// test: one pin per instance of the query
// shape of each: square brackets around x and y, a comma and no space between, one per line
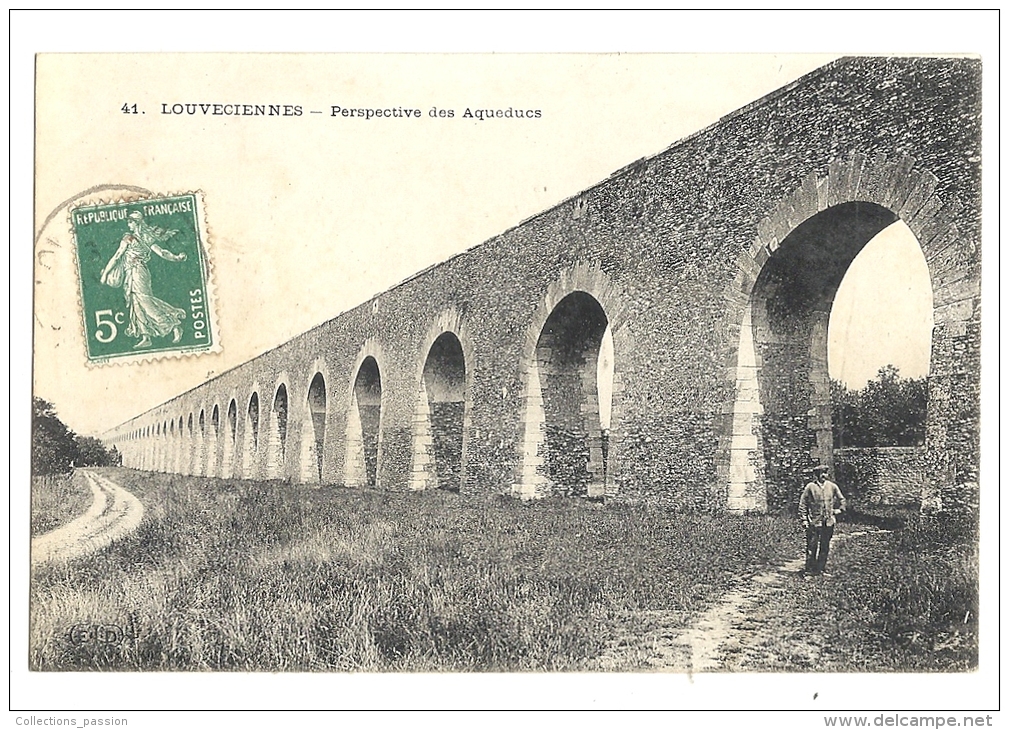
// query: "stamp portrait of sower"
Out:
[127,269]
[144,277]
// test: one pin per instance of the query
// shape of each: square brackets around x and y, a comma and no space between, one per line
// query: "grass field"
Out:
[56,500]
[265,576]
[900,600]
[245,576]
[908,600]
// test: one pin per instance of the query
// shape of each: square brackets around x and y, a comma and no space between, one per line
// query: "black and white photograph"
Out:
[414,368]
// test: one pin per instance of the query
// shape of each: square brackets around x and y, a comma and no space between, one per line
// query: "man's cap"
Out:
[820,469]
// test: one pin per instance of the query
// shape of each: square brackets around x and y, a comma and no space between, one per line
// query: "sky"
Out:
[882,312]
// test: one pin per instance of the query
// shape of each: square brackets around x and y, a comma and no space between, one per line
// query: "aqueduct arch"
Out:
[192,449]
[563,449]
[313,430]
[364,425]
[276,456]
[439,425]
[213,447]
[250,441]
[201,447]
[441,419]
[567,354]
[229,449]
[780,420]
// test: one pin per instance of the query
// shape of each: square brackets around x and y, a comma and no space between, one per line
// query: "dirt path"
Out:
[113,513]
[742,626]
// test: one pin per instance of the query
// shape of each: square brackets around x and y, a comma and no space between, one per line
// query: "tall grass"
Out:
[233,575]
[57,499]
[915,595]
[901,600]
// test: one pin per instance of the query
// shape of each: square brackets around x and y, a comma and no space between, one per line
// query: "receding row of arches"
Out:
[777,422]
[205,444]
[572,368]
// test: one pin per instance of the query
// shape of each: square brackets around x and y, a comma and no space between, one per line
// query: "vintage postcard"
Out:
[607,364]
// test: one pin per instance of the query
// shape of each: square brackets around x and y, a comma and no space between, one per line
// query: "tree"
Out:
[92,452]
[846,414]
[888,411]
[56,449]
[54,446]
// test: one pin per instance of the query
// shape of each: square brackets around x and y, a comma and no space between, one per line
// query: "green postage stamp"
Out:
[144,278]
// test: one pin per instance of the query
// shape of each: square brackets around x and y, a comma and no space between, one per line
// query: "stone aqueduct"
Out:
[705,274]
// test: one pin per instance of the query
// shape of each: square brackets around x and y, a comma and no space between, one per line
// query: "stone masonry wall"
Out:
[886,475]
[670,247]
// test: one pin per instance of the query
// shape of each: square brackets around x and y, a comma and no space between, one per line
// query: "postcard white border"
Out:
[716,31]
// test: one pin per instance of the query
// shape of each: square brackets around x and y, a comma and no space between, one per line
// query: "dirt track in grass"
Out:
[750,628]
[113,513]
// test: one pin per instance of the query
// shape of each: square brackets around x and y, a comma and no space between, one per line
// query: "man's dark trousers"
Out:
[817,547]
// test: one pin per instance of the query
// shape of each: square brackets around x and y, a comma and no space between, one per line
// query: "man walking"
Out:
[820,501]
